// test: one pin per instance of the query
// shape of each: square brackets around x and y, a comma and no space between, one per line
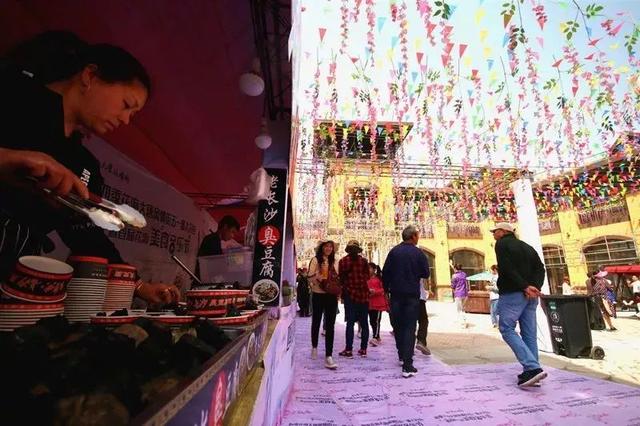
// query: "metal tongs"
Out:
[103,213]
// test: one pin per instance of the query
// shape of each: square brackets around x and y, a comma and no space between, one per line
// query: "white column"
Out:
[529,232]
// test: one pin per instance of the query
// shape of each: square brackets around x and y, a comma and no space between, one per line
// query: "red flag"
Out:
[557,63]
[322,31]
[448,48]
[615,31]
[594,42]
[588,58]
[462,48]
[445,60]
[430,28]
[419,56]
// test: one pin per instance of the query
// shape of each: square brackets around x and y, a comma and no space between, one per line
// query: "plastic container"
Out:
[568,318]
[231,267]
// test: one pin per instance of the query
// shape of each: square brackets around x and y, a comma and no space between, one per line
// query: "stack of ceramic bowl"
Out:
[87,288]
[121,285]
[35,289]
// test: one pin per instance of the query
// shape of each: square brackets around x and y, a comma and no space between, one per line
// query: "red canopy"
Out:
[624,269]
[197,131]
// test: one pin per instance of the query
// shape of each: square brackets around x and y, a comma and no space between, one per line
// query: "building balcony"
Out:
[550,225]
[426,230]
[361,224]
[464,231]
[603,215]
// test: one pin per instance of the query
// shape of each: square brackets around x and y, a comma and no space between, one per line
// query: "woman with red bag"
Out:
[322,268]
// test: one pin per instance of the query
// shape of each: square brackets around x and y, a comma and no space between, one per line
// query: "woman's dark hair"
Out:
[376,270]
[58,55]
[458,267]
[494,268]
[320,255]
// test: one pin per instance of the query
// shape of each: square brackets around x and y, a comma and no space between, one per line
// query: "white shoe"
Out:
[328,363]
[423,349]
[314,353]
[373,342]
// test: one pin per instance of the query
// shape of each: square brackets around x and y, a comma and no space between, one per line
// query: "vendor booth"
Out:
[216,344]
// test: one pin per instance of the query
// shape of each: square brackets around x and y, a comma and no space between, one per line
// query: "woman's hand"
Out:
[158,293]
[16,164]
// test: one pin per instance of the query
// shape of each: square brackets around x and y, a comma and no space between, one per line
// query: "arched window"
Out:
[472,261]
[556,266]
[610,251]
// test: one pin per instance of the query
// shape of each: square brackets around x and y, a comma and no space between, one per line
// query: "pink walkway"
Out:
[372,392]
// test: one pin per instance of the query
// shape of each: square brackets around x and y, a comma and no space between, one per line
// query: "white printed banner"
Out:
[175,224]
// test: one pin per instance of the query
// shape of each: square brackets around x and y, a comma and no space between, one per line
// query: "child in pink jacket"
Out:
[377,302]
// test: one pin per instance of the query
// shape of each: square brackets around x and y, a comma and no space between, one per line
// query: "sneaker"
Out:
[362,353]
[531,377]
[314,353]
[329,363]
[409,371]
[346,354]
[323,332]
[373,342]
[378,340]
[423,348]
[613,329]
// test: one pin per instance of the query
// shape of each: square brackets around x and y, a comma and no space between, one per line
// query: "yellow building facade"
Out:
[574,242]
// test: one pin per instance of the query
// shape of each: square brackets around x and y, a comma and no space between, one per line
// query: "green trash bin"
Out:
[569,325]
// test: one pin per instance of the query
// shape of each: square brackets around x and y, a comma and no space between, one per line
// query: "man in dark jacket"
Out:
[405,265]
[519,283]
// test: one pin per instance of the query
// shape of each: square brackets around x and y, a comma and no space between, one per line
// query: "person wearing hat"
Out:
[519,283]
[601,287]
[354,274]
[322,267]
[403,269]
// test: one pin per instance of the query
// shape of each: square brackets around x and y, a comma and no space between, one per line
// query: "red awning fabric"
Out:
[624,269]
[197,131]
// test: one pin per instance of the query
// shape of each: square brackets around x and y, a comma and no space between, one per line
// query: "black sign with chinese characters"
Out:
[267,255]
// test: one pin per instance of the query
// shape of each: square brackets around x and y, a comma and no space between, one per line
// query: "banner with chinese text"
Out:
[267,257]
[174,223]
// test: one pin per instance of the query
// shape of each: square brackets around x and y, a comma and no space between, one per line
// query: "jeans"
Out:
[494,311]
[405,310]
[516,308]
[423,323]
[327,304]
[356,312]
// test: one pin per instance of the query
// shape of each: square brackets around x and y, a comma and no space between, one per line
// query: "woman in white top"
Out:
[494,296]
[320,267]
[566,287]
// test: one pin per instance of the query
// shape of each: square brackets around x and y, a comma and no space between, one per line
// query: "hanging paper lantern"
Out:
[251,84]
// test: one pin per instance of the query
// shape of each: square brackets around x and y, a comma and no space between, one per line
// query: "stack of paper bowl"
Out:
[121,284]
[86,290]
[35,289]
[16,315]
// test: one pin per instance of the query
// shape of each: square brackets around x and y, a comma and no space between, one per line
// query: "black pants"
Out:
[326,304]
[423,323]
[303,300]
[375,317]
[405,310]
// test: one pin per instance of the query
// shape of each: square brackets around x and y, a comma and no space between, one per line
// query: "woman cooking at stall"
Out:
[54,87]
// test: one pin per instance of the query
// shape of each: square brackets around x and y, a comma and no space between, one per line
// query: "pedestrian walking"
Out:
[519,283]
[302,292]
[377,302]
[354,274]
[601,287]
[460,289]
[321,268]
[405,265]
[494,296]
[423,319]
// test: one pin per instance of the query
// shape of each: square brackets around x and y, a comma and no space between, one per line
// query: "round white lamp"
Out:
[263,141]
[251,84]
